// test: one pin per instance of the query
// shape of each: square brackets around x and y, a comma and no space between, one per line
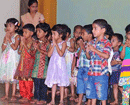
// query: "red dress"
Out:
[25,67]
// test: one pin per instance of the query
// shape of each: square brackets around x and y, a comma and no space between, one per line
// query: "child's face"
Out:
[107,36]
[27,33]
[10,27]
[97,30]
[55,35]
[34,7]
[115,42]
[85,35]
[77,32]
[128,35]
[41,33]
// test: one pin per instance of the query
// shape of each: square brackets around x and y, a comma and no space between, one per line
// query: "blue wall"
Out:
[73,12]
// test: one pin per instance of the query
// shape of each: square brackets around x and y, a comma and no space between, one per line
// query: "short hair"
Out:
[109,31]
[127,29]
[45,27]
[88,28]
[69,30]
[101,22]
[30,27]
[77,26]
[119,37]
[60,29]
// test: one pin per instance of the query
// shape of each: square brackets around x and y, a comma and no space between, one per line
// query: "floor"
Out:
[67,102]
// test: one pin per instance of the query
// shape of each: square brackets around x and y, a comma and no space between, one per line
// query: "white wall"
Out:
[8,9]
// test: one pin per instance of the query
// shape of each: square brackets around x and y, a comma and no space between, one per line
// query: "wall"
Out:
[73,12]
[8,9]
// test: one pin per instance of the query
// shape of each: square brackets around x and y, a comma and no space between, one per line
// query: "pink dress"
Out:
[57,72]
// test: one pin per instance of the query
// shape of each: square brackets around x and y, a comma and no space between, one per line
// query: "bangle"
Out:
[20,51]
[11,43]
[28,51]
[68,48]
[4,44]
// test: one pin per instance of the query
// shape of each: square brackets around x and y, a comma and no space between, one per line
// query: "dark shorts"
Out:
[114,78]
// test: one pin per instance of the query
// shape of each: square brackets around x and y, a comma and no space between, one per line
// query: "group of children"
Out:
[90,62]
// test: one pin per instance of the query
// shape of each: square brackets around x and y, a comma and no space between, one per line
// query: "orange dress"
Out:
[27,18]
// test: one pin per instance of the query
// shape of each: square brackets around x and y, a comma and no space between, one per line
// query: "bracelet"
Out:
[11,43]
[4,44]
[20,51]
[28,51]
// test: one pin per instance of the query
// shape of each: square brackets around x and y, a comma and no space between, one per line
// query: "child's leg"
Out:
[6,91]
[43,90]
[115,93]
[103,102]
[89,102]
[80,99]
[13,92]
[61,94]
[29,87]
[94,101]
[72,91]
[66,92]
[125,95]
[53,95]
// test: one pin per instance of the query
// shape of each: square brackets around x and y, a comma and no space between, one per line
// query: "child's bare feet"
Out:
[23,100]
[13,98]
[114,103]
[33,101]
[51,103]
[18,95]
[61,103]
[4,98]
[41,102]
[76,100]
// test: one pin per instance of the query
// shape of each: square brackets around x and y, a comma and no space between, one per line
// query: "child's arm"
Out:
[87,52]
[15,45]
[73,65]
[50,51]
[122,54]
[101,54]
[4,44]
[71,48]
[62,50]
[20,49]
[43,51]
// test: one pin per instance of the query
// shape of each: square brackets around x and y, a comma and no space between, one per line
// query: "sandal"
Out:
[72,98]
[13,98]
[4,98]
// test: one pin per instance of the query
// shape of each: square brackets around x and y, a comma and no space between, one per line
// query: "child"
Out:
[82,76]
[10,58]
[125,72]
[33,16]
[98,51]
[116,41]
[69,54]
[25,67]
[41,63]
[77,32]
[57,72]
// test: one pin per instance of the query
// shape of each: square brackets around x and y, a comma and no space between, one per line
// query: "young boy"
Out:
[25,67]
[116,41]
[82,76]
[98,51]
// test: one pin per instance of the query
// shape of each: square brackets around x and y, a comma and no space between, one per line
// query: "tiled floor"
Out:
[67,102]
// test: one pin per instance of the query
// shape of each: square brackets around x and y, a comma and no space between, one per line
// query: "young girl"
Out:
[25,67]
[125,71]
[10,58]
[73,80]
[33,16]
[41,63]
[57,72]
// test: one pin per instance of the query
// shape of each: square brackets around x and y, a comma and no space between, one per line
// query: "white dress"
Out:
[8,63]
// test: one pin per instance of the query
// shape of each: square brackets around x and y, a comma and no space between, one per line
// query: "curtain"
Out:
[49,9]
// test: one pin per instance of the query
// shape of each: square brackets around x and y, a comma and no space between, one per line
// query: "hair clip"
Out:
[16,23]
